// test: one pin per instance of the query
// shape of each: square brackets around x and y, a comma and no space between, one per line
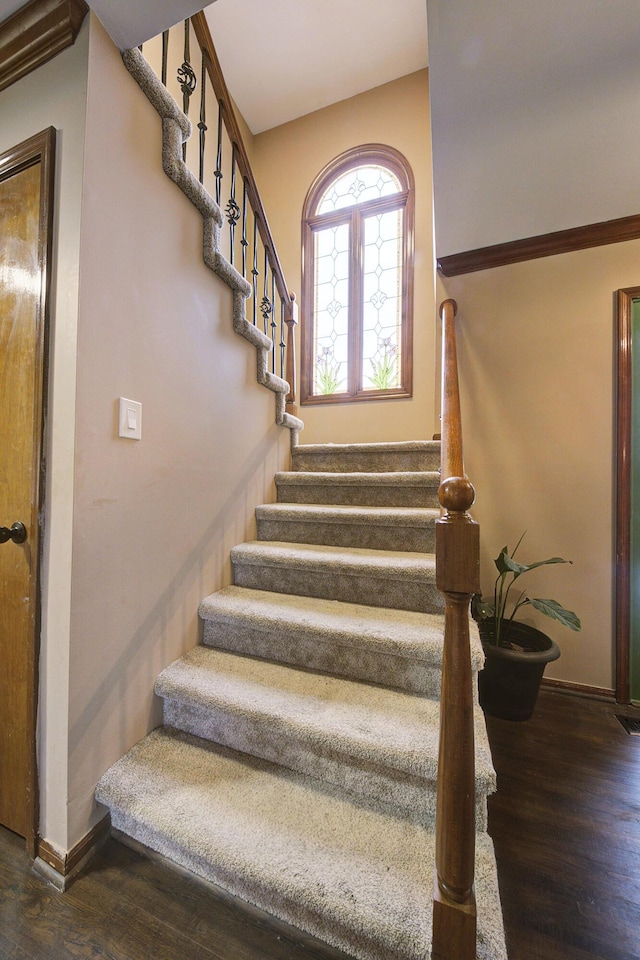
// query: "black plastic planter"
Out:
[509,683]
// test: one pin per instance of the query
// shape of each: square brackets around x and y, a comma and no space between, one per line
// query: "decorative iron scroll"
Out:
[265,310]
[187,79]
[232,211]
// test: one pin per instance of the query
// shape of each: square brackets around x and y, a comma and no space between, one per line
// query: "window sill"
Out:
[370,395]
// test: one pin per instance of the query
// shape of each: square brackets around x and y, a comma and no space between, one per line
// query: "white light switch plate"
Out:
[130,419]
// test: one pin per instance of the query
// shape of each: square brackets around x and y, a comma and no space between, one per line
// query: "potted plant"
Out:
[515,653]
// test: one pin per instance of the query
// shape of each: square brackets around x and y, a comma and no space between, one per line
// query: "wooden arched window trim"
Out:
[396,163]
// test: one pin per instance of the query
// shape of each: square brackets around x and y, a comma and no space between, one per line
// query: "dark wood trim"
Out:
[37,149]
[624,381]
[393,160]
[35,34]
[66,863]
[545,245]
[578,689]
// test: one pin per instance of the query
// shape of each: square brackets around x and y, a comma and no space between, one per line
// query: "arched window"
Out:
[357,273]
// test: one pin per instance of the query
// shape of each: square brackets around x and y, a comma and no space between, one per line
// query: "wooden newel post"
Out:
[291,320]
[457,577]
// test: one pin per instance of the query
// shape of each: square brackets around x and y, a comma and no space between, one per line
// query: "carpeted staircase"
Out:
[297,764]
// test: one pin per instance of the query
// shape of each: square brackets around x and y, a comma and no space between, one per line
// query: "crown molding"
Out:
[545,245]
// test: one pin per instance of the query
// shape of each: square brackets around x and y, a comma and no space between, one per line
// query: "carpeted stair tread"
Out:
[400,648]
[380,528]
[416,566]
[395,456]
[337,513]
[407,633]
[389,488]
[358,879]
[377,577]
[293,713]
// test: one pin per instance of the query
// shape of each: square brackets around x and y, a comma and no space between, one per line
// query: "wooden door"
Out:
[25,214]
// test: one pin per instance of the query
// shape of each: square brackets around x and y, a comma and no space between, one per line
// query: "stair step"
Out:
[398,648]
[402,581]
[376,528]
[367,457]
[378,743]
[354,877]
[389,489]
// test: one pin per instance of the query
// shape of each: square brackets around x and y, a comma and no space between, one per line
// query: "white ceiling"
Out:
[286,58]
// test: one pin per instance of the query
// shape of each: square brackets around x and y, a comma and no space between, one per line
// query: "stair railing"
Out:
[185,60]
[457,578]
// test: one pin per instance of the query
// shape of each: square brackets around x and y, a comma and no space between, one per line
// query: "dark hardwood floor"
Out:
[126,906]
[565,821]
[566,828]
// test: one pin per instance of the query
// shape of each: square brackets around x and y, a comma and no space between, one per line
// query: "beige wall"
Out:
[536,351]
[287,159]
[154,520]
[55,95]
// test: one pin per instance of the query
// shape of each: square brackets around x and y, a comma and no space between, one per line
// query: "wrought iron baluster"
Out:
[265,303]
[274,322]
[202,125]
[244,242]
[232,209]
[218,170]
[165,55]
[254,272]
[186,79]
[283,340]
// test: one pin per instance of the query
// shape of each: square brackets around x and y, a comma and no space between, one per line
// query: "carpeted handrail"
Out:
[457,578]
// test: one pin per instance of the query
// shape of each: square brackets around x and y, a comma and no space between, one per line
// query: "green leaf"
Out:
[512,566]
[507,564]
[500,561]
[551,608]
[542,563]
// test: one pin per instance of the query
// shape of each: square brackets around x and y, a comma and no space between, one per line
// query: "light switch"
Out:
[130,419]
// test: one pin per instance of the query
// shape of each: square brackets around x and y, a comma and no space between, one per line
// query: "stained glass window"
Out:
[331,309]
[382,301]
[357,186]
[356,334]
